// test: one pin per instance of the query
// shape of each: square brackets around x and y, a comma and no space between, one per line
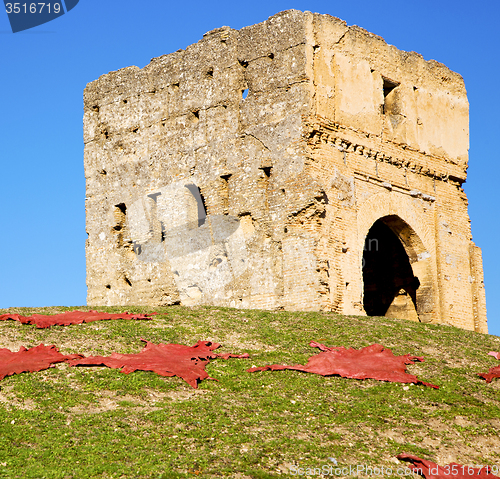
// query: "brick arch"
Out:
[406,217]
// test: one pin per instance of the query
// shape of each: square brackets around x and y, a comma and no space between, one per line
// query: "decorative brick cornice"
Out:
[319,131]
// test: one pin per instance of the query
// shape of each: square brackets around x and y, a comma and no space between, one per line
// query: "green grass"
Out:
[99,423]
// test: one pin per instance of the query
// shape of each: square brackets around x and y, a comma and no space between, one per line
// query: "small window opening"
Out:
[224,192]
[122,208]
[388,86]
[103,172]
[243,63]
[163,232]
[271,56]
[137,248]
[120,219]
[210,73]
[95,108]
[154,196]
[125,101]
[267,170]
[196,114]
[108,286]
[244,93]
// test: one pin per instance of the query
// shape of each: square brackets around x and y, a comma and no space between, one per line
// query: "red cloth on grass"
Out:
[375,362]
[186,362]
[70,317]
[493,372]
[30,360]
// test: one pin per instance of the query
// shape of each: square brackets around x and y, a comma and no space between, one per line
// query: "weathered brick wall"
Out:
[199,194]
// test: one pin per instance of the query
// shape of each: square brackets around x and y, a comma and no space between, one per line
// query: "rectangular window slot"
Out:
[389,101]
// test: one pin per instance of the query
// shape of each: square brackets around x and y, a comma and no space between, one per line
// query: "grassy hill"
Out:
[99,423]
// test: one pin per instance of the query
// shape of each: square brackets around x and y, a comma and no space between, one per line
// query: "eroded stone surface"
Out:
[249,169]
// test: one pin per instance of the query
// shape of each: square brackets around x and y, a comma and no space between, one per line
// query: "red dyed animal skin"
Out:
[430,470]
[186,362]
[493,372]
[30,360]
[375,362]
[70,317]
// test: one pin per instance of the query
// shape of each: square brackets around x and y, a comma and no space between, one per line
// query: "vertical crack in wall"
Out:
[157,227]
[120,216]
[265,181]
[200,202]
[224,192]
[123,244]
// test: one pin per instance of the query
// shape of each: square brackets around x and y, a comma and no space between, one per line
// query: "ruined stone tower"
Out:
[296,164]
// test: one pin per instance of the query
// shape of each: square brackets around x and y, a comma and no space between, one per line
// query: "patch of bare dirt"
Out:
[240,341]
[111,400]
[9,399]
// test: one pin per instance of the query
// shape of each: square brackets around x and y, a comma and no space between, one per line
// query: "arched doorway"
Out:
[392,287]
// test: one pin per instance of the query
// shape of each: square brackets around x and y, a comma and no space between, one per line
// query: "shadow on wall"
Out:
[205,253]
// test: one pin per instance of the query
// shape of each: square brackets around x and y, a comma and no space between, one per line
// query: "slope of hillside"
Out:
[96,422]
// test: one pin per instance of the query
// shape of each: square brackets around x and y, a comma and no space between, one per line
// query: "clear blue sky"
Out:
[44,72]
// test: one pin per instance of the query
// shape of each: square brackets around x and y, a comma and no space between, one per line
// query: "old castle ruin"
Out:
[296,164]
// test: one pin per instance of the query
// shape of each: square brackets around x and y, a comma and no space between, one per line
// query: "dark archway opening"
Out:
[387,271]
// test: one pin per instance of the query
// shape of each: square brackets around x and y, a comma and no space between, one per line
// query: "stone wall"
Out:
[249,171]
